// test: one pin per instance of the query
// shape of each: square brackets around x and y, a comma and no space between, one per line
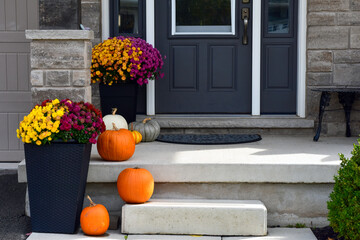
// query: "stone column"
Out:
[60,64]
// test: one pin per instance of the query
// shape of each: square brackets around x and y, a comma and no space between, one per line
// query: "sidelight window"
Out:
[278,15]
[127,18]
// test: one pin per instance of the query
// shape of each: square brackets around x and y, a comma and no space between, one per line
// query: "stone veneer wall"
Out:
[60,64]
[333,58]
[91,17]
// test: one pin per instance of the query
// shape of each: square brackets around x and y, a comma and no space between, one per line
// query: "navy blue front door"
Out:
[208,47]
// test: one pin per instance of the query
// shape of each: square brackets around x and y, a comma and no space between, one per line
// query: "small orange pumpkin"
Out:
[137,135]
[116,145]
[94,220]
[135,185]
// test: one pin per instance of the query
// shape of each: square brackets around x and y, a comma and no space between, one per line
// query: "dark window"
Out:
[202,16]
[203,12]
[278,16]
[127,18]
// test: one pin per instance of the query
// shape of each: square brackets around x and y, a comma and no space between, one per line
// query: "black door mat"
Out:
[207,139]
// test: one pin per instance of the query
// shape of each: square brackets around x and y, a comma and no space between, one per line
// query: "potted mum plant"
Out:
[120,65]
[58,137]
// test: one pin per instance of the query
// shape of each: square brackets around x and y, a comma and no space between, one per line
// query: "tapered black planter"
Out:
[122,96]
[56,175]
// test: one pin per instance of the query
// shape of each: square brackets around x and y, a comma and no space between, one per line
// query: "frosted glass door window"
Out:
[278,16]
[203,17]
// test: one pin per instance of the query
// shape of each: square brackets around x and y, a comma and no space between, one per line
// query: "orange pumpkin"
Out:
[94,220]
[135,185]
[116,145]
[137,135]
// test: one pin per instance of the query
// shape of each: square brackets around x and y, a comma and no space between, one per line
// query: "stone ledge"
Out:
[232,122]
[203,217]
[274,159]
[59,34]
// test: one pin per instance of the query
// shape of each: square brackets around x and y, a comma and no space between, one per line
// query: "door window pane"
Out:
[128,18]
[203,16]
[278,16]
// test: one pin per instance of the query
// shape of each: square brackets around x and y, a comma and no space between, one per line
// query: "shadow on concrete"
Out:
[14,225]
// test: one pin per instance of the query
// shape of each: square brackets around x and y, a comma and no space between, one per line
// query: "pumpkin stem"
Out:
[92,204]
[114,127]
[132,126]
[136,168]
[114,111]
[145,120]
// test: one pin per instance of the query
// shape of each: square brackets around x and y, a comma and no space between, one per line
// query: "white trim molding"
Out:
[256,53]
[150,38]
[301,61]
[202,30]
[256,58]
[105,19]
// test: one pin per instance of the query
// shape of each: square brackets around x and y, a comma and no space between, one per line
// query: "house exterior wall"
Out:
[91,17]
[333,58]
[333,55]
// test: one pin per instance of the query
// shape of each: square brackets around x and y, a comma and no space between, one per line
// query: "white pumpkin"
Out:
[118,120]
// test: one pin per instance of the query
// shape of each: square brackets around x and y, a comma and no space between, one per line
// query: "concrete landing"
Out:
[201,217]
[274,159]
[273,234]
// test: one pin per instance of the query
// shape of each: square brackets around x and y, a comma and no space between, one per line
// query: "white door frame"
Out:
[301,61]
[256,51]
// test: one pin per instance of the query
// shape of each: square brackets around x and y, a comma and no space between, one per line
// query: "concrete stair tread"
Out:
[274,159]
[172,237]
[201,203]
[109,235]
[204,217]
[281,234]
[273,234]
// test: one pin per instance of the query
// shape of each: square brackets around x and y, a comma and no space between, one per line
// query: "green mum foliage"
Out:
[344,204]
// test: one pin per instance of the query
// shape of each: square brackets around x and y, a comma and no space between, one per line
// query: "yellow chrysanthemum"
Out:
[41,122]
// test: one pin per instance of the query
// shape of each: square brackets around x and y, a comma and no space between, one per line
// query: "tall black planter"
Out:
[56,175]
[122,96]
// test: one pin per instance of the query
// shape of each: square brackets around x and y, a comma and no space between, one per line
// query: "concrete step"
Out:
[109,235]
[179,121]
[281,234]
[233,124]
[203,217]
[273,234]
[292,175]
[274,159]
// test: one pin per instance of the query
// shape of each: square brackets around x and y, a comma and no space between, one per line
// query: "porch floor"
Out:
[274,159]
